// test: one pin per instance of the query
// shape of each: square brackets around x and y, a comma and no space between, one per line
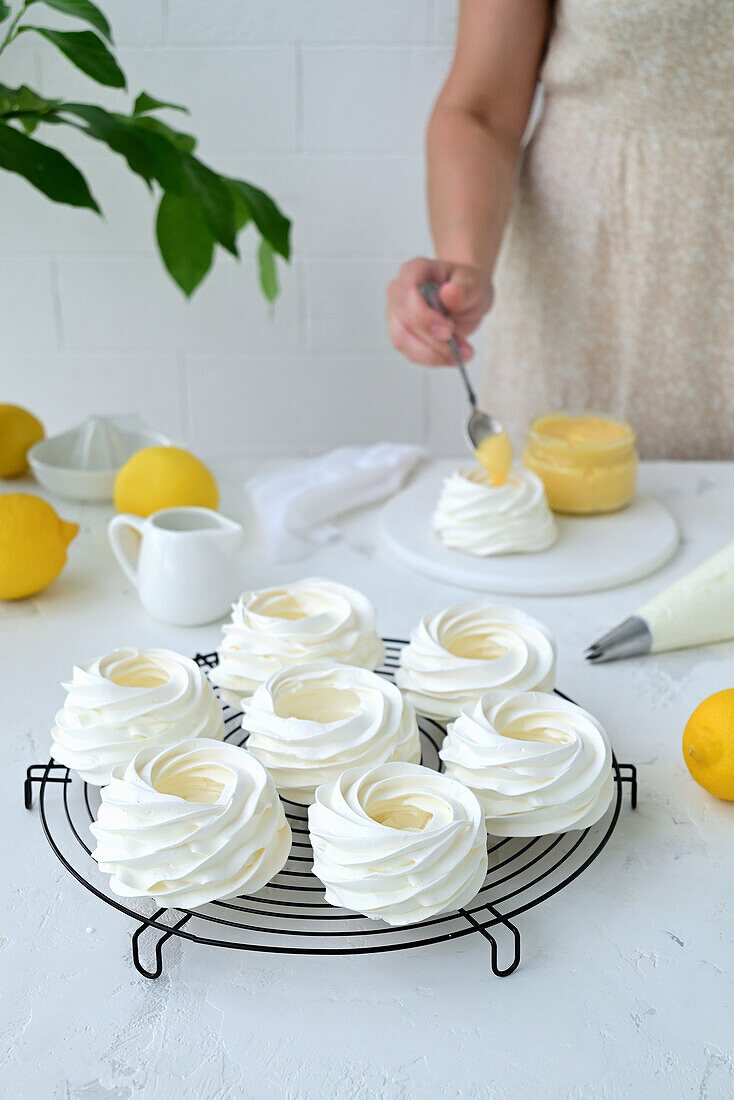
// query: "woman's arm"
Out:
[473,144]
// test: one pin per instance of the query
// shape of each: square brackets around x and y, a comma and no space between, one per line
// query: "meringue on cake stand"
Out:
[592,553]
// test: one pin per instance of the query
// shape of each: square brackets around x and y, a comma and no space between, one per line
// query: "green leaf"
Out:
[149,154]
[145,103]
[242,212]
[216,201]
[4,11]
[45,168]
[21,100]
[88,52]
[268,272]
[81,9]
[184,239]
[185,142]
[273,224]
[15,100]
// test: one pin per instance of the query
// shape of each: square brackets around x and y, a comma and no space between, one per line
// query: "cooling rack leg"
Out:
[32,776]
[28,790]
[161,939]
[499,971]
[628,774]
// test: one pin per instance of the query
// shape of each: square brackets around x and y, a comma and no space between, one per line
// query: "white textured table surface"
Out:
[625,988]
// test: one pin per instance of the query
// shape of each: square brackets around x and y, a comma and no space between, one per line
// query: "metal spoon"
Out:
[480,424]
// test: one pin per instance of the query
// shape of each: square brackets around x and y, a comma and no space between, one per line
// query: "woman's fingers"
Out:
[467,295]
[424,318]
[413,315]
[466,351]
[454,296]
[406,302]
[417,349]
[421,332]
[431,353]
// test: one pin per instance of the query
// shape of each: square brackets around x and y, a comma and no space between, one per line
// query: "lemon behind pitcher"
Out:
[164,477]
[33,542]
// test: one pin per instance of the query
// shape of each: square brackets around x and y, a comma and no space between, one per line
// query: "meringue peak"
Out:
[478,517]
[399,842]
[456,655]
[537,762]
[309,723]
[309,620]
[129,698]
[195,822]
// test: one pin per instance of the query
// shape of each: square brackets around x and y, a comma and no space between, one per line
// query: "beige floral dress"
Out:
[615,283]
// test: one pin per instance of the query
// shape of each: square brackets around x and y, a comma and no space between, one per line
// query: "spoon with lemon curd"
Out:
[485,435]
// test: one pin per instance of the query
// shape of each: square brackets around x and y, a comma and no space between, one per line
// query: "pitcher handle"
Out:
[116,529]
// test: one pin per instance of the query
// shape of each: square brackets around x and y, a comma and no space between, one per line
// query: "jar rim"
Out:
[536,434]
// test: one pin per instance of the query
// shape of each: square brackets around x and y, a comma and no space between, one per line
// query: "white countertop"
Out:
[625,984]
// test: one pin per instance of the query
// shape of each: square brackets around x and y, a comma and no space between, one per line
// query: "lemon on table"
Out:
[708,744]
[19,430]
[164,477]
[33,542]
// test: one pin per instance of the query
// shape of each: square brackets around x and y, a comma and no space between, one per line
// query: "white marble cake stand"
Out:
[592,554]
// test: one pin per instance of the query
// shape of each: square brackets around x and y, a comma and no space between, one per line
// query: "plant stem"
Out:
[12,29]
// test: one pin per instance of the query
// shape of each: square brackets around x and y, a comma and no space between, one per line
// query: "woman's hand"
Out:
[421,333]
[472,144]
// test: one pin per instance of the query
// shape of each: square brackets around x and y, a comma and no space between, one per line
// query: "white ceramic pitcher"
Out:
[188,565]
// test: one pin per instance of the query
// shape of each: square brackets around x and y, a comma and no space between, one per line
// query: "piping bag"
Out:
[697,609]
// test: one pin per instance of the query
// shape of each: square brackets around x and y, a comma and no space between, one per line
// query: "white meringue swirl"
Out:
[458,654]
[310,722]
[480,518]
[398,843]
[537,763]
[127,699]
[308,620]
[195,822]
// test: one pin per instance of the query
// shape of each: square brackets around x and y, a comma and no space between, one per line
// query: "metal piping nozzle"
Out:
[631,638]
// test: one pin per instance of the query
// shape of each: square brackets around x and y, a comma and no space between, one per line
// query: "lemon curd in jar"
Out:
[587,461]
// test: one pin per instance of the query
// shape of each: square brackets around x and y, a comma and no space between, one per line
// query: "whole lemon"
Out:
[33,541]
[708,744]
[164,477]
[19,430]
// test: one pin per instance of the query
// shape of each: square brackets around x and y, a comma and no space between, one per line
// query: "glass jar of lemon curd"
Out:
[586,460]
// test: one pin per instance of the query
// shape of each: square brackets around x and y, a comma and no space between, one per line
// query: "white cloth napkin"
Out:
[295,506]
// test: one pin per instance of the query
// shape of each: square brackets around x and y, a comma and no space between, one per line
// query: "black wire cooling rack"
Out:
[290,914]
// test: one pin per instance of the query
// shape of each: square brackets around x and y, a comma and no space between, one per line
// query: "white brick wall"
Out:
[323,103]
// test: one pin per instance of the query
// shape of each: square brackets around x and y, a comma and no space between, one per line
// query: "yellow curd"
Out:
[495,454]
[587,461]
